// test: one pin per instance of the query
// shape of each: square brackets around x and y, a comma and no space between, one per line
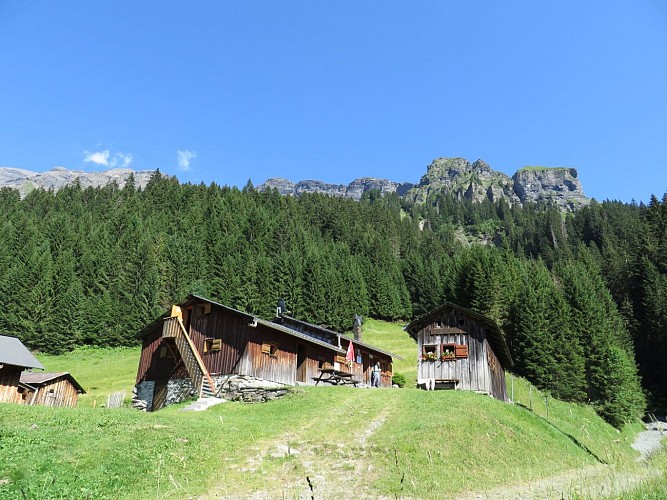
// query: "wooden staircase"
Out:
[201,378]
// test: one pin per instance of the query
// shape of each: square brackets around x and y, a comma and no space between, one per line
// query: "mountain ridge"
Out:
[476,181]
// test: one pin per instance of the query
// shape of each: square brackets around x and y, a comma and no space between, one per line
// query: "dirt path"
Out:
[312,469]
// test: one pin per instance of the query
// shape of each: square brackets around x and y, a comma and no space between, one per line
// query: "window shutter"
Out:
[266,348]
[461,351]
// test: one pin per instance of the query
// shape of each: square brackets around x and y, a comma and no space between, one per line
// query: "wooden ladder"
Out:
[201,378]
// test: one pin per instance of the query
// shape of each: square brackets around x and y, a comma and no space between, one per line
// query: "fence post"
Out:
[530,396]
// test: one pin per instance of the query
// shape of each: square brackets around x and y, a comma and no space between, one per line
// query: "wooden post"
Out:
[546,404]
[530,396]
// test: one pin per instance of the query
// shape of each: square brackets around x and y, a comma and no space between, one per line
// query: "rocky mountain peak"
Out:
[26,180]
[474,181]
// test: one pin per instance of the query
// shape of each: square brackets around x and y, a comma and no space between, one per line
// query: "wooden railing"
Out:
[173,328]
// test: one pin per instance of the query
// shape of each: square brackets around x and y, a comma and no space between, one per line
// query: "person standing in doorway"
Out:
[375,375]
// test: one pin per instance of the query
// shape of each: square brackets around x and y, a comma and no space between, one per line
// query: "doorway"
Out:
[301,363]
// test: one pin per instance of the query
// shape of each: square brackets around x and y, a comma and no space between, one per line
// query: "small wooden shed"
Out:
[14,358]
[460,349]
[49,389]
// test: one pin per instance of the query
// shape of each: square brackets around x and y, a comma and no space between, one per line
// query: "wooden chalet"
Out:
[49,389]
[206,342]
[14,358]
[460,349]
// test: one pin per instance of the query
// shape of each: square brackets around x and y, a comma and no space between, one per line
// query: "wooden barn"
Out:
[199,344]
[49,389]
[460,349]
[14,358]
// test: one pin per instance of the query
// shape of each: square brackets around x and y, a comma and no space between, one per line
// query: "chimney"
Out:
[357,327]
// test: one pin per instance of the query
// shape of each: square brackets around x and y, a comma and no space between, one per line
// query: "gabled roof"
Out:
[186,302]
[13,352]
[496,338]
[333,333]
[37,379]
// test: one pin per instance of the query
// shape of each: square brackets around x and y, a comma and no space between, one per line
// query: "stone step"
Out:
[203,404]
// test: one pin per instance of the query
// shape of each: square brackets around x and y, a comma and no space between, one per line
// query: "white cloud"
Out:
[106,159]
[184,157]
[99,158]
[122,160]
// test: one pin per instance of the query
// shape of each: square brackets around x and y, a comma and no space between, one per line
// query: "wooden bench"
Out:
[335,377]
[450,383]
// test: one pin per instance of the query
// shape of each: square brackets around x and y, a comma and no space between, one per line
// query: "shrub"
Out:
[398,379]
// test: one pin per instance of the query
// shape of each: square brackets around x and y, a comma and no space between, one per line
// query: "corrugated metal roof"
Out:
[35,379]
[343,337]
[300,335]
[13,352]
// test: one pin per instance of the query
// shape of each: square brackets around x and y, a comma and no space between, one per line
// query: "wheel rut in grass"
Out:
[321,459]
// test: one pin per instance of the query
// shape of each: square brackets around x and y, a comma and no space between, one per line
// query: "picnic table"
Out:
[335,377]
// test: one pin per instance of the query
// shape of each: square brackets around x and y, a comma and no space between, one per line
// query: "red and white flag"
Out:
[350,352]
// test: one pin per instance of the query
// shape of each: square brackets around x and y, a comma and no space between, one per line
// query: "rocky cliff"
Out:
[26,180]
[353,190]
[558,185]
[475,181]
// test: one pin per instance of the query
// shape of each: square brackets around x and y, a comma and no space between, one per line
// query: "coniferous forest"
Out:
[581,297]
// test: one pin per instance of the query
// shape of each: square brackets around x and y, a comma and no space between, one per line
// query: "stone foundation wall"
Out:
[179,390]
[142,395]
[248,389]
[229,387]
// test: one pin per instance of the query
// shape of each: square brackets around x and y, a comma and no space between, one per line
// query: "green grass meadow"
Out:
[320,441]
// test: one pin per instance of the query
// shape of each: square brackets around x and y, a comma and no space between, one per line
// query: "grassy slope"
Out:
[371,442]
[99,371]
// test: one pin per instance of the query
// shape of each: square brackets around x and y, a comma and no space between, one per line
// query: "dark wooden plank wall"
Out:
[154,367]
[232,329]
[57,392]
[241,347]
[9,382]
[473,372]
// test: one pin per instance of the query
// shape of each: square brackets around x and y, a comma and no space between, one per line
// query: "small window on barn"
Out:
[212,345]
[448,352]
[205,308]
[429,352]
[270,348]
[163,351]
[462,322]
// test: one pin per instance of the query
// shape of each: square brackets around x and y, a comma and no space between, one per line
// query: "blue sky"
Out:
[224,92]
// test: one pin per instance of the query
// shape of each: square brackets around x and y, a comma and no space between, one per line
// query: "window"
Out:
[212,345]
[448,352]
[205,308]
[429,352]
[270,348]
